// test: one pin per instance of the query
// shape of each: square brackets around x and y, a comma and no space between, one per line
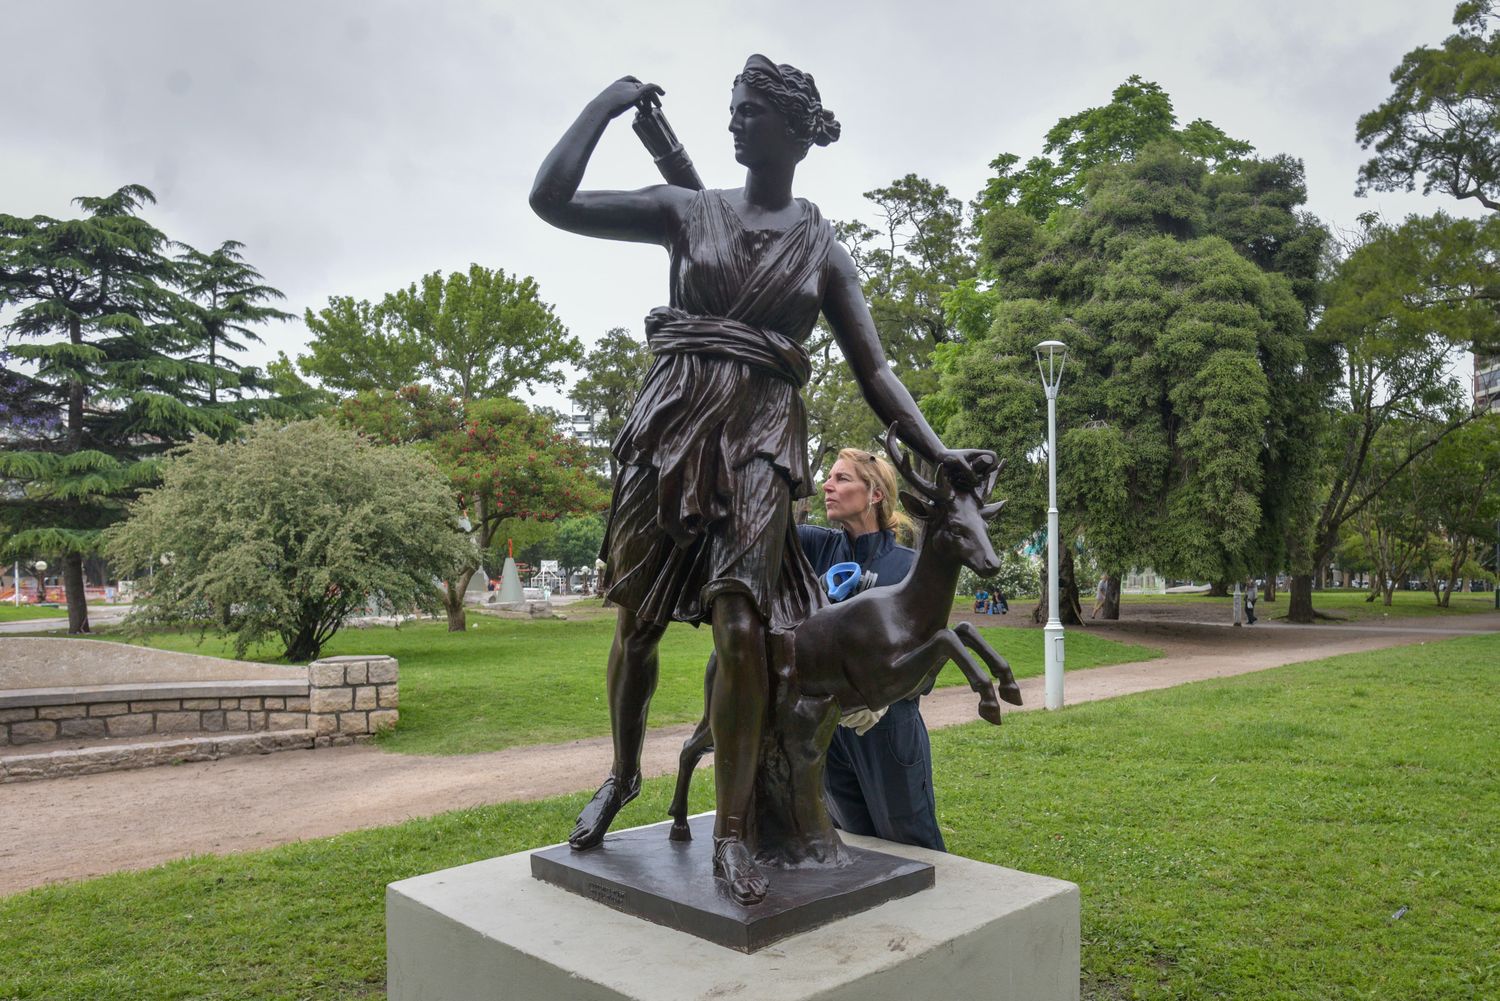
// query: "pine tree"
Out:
[96,323]
[224,296]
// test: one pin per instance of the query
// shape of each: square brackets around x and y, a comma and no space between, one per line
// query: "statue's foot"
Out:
[593,822]
[734,864]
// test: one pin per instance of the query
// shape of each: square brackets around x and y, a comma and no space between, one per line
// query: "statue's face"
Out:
[760,131]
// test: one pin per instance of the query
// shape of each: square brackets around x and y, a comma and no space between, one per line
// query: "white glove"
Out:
[860,720]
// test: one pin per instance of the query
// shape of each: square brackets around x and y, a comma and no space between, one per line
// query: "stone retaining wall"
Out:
[89,719]
[344,699]
[351,698]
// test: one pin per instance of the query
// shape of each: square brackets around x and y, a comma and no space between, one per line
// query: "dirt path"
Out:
[79,827]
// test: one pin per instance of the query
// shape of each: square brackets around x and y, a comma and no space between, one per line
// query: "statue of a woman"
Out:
[714,452]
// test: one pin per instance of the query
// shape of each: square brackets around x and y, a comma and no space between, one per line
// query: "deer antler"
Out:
[902,463]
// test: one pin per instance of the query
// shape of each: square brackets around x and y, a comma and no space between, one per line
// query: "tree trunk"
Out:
[1069,612]
[453,602]
[1300,609]
[1270,587]
[78,605]
[1111,607]
[1387,590]
[1218,589]
[78,608]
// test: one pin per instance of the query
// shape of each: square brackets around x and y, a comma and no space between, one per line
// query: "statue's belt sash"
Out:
[671,331]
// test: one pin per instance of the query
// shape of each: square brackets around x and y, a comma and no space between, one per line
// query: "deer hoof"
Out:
[1010,692]
[989,710]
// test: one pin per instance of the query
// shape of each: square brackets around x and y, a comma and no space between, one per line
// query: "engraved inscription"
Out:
[609,895]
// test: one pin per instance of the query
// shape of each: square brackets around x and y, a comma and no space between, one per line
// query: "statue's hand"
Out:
[966,467]
[624,94]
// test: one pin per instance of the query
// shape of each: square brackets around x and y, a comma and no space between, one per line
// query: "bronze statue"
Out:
[714,452]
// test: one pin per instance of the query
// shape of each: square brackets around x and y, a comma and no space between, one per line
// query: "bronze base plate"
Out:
[644,873]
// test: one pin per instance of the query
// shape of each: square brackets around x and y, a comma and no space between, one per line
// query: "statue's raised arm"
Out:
[649,215]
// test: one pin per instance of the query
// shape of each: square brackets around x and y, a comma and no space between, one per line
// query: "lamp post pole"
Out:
[1050,357]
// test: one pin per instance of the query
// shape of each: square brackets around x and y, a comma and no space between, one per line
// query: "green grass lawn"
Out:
[13,613]
[1247,839]
[510,681]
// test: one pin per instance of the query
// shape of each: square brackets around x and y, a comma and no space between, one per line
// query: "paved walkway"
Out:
[90,825]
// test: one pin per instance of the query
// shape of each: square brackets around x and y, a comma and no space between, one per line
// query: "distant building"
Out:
[1487,383]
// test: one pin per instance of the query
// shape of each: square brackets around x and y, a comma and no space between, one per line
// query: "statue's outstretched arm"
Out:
[849,316]
[650,215]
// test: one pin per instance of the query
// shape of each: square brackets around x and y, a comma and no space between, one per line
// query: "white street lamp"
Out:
[1050,357]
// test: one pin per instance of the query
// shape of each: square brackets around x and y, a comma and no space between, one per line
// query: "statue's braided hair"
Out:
[793,93]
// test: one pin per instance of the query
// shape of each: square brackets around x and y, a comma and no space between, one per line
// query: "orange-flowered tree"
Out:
[503,460]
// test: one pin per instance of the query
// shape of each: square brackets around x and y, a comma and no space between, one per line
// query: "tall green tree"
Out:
[1440,126]
[1397,339]
[224,300]
[613,372]
[473,334]
[94,320]
[1180,413]
[1138,116]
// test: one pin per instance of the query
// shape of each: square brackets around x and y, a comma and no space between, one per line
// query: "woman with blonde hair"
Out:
[878,779]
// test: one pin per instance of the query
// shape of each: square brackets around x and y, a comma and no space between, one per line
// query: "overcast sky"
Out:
[354,145]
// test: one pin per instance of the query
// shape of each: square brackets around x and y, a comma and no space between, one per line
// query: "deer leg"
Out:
[693,750]
[1007,689]
[930,657]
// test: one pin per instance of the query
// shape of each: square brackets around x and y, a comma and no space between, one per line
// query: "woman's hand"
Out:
[624,94]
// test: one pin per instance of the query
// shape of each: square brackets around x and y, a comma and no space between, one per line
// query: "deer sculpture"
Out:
[889,643]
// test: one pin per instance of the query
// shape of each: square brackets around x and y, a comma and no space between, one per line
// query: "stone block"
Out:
[33,731]
[62,712]
[278,704]
[87,727]
[236,721]
[213,720]
[383,719]
[183,722]
[252,705]
[355,674]
[356,722]
[295,705]
[389,695]
[200,704]
[257,721]
[109,708]
[17,715]
[325,674]
[324,724]
[133,725]
[229,703]
[330,700]
[490,932]
[286,721]
[365,697]
[383,672]
[156,706]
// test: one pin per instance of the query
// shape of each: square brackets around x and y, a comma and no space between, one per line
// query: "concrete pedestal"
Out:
[490,932]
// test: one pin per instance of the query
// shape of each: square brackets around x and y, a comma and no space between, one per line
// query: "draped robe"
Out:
[714,450]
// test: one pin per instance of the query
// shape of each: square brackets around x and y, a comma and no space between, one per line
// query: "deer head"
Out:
[955,518]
